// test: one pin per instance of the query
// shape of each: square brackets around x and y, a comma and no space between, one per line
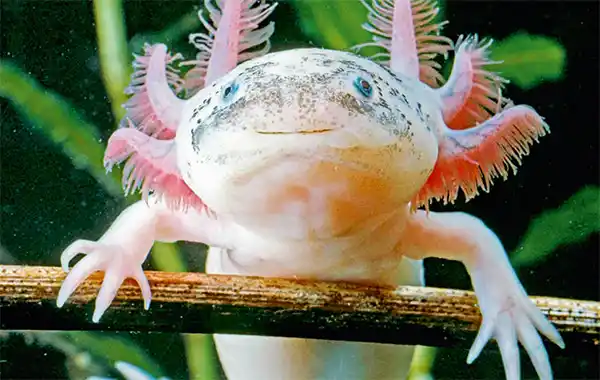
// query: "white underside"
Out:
[273,358]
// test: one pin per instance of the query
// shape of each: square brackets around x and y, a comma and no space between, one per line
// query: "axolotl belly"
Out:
[309,163]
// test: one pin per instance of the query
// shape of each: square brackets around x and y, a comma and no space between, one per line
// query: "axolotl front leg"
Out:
[123,248]
[509,315]
[147,144]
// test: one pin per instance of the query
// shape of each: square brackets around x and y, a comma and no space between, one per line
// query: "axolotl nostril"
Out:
[313,163]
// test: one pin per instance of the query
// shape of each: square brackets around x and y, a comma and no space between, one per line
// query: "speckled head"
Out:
[315,139]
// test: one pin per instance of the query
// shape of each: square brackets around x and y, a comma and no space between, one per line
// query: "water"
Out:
[47,201]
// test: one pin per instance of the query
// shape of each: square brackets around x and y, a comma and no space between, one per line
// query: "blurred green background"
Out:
[60,100]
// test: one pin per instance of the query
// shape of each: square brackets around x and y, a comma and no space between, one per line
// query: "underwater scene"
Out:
[299,189]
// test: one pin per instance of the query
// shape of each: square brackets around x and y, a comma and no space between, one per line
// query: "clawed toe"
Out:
[117,266]
[76,276]
[533,344]
[509,326]
[76,248]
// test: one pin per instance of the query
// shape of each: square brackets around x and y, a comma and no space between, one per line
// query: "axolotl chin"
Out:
[312,163]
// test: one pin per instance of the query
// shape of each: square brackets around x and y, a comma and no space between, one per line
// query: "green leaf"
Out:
[571,223]
[333,24]
[57,119]
[529,59]
[114,348]
[198,347]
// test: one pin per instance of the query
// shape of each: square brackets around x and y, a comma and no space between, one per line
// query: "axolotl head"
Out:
[310,142]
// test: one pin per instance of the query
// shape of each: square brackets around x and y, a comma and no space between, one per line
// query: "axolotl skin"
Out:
[312,163]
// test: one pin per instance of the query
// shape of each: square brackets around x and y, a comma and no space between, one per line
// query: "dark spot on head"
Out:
[197,136]
[404,99]
[391,73]
[348,101]
[420,112]
[205,102]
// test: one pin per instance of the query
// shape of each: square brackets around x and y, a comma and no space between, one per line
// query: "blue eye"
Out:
[230,90]
[363,87]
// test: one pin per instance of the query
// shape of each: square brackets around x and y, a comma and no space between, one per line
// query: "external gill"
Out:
[472,94]
[154,109]
[469,159]
[232,34]
[485,135]
[144,140]
[151,166]
[411,38]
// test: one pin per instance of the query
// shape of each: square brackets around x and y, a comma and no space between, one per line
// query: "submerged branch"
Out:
[200,303]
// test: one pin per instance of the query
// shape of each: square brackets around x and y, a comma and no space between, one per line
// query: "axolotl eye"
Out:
[229,91]
[363,86]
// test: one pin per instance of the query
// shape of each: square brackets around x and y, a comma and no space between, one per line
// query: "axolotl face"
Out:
[308,142]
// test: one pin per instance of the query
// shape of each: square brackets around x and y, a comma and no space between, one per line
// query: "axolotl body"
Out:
[312,163]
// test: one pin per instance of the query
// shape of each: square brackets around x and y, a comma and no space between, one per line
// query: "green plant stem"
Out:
[422,363]
[201,365]
[198,348]
[112,45]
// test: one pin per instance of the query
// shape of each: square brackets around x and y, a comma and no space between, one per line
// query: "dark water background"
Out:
[46,203]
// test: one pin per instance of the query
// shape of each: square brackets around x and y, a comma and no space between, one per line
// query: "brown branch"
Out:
[200,303]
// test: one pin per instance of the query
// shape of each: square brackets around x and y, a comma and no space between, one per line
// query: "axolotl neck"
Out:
[309,143]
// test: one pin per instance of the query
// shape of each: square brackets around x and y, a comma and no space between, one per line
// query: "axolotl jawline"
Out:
[315,183]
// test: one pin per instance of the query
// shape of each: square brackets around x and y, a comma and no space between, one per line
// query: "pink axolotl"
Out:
[314,163]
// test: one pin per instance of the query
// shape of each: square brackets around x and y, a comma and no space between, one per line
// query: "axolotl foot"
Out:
[509,317]
[106,257]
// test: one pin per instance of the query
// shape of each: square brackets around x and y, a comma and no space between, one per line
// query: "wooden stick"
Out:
[200,303]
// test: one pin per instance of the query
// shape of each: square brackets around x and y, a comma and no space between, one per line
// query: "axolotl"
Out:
[313,163]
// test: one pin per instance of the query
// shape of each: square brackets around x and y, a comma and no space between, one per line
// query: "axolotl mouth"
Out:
[300,132]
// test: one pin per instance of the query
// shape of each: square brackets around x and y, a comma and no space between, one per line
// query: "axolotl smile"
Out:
[323,142]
